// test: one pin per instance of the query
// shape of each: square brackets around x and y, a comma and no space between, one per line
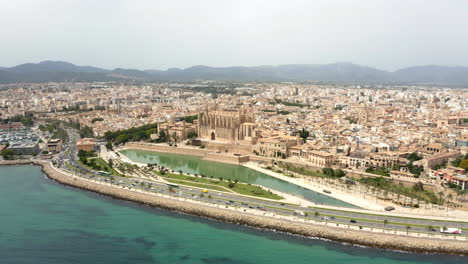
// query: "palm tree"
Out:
[385,222]
[407,229]
[429,228]
[450,197]
[441,196]
[305,215]
[316,214]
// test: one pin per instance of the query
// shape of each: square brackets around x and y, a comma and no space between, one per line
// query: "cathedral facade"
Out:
[226,125]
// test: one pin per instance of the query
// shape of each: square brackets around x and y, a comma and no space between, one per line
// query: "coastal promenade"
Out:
[367,204]
[362,201]
[380,239]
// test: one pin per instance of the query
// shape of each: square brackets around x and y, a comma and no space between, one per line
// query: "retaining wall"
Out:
[365,238]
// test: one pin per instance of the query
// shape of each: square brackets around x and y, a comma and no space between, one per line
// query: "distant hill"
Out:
[60,71]
[52,66]
[433,74]
[131,73]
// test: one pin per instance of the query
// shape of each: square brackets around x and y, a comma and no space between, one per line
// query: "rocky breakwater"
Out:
[16,162]
[371,239]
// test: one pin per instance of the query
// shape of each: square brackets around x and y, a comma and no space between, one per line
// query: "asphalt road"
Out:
[344,217]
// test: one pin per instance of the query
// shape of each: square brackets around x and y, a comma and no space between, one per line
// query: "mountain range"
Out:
[59,71]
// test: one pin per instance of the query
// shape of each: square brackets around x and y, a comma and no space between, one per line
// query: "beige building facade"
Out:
[276,147]
[227,125]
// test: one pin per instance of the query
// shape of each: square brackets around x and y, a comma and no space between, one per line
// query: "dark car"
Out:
[389,208]
[352,221]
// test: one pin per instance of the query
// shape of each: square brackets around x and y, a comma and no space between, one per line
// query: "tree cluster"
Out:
[25,120]
[54,127]
[333,173]
[131,134]
[279,101]
[7,154]
[86,132]
[414,157]
[417,191]
[97,119]
[190,119]
[304,134]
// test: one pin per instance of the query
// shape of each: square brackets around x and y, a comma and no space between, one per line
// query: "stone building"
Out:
[86,144]
[24,148]
[227,125]
[276,147]
[462,141]
[382,159]
[54,145]
[432,149]
[320,158]
[297,151]
[178,131]
[439,159]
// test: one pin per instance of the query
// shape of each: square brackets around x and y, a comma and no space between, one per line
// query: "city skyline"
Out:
[249,131]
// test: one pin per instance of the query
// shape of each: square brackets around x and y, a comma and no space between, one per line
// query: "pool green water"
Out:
[194,164]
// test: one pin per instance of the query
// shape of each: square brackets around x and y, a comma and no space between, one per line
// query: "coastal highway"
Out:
[332,216]
[341,217]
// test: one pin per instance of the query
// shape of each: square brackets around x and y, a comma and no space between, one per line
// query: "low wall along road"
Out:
[388,241]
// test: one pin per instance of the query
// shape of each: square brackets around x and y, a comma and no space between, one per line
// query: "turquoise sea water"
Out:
[193,164]
[45,222]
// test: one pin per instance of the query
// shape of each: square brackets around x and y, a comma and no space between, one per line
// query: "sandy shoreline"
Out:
[378,240]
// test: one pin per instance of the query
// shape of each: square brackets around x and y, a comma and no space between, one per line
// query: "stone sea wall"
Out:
[166,149]
[206,154]
[231,159]
[387,241]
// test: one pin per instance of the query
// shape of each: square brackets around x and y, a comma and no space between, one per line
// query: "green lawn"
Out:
[199,185]
[71,167]
[303,171]
[240,188]
[378,172]
[101,163]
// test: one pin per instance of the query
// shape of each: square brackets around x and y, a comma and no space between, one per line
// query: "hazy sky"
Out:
[155,34]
